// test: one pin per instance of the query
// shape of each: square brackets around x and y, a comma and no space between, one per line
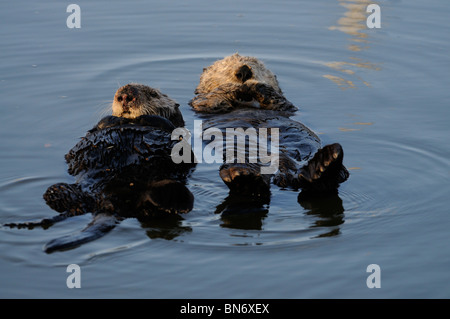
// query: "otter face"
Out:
[237,70]
[133,100]
[238,82]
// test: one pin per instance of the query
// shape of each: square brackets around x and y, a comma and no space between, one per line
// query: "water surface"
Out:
[382,93]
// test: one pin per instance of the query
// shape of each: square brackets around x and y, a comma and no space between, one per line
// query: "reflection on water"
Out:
[328,211]
[165,228]
[242,212]
[352,23]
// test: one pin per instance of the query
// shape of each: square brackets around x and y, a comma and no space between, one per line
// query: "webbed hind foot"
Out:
[102,224]
[245,179]
[325,171]
[70,198]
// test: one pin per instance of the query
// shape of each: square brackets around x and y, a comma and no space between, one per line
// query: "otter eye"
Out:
[119,99]
[129,98]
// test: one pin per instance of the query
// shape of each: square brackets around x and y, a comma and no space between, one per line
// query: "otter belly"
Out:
[295,138]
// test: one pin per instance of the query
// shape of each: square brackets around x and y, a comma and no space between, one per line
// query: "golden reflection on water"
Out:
[346,129]
[354,24]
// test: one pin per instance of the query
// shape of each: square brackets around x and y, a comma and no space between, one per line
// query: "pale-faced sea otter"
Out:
[239,91]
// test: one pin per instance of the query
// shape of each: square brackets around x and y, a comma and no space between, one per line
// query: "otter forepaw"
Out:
[109,121]
[210,104]
[270,99]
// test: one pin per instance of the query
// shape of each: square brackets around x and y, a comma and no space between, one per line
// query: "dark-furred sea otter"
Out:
[123,168]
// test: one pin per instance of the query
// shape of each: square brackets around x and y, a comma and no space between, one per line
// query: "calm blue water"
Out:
[382,93]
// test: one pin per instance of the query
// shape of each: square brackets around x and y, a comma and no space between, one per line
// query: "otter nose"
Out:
[244,73]
[126,98]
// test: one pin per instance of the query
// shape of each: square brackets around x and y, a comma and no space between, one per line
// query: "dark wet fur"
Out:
[303,163]
[123,169]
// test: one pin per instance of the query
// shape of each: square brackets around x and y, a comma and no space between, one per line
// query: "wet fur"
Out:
[241,92]
[133,100]
[123,168]
[120,166]
[237,81]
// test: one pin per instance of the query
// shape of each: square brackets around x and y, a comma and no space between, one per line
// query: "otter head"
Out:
[133,100]
[237,70]
[238,81]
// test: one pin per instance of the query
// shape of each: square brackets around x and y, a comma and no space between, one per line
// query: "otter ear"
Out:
[206,69]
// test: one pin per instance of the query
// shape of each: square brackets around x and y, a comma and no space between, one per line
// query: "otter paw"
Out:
[326,164]
[245,179]
[210,104]
[270,99]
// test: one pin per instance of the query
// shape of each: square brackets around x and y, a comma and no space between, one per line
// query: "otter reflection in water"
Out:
[249,213]
[123,169]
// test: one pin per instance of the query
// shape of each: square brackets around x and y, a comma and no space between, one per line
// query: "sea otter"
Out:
[134,100]
[239,91]
[123,168]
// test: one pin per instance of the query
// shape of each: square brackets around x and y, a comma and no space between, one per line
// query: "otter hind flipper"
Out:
[245,178]
[99,227]
[64,197]
[325,171]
